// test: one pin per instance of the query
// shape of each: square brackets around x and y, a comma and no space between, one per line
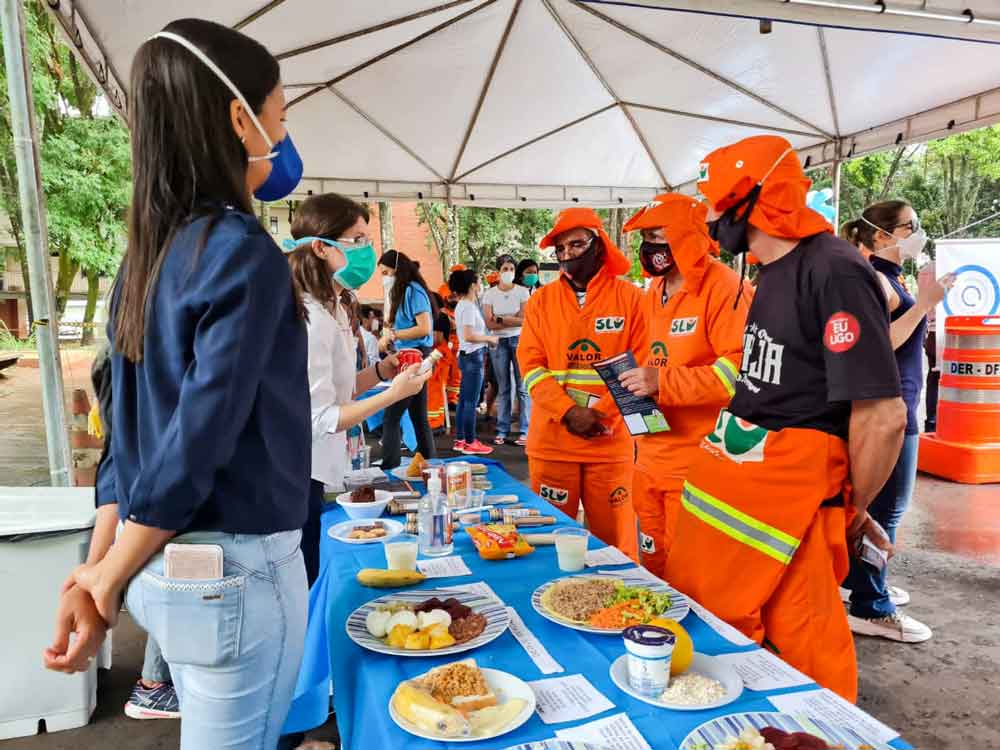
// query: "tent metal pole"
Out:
[15,48]
[836,190]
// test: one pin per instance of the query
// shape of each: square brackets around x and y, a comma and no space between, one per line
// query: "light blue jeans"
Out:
[233,645]
[504,358]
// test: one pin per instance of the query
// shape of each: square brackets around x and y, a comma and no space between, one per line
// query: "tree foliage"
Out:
[85,162]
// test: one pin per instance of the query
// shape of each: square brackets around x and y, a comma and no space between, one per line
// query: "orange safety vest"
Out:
[696,342]
[559,344]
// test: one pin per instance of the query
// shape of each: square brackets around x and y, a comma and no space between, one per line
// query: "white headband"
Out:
[225,79]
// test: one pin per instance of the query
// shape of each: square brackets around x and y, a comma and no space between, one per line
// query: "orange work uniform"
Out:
[695,339]
[560,340]
[444,383]
[761,537]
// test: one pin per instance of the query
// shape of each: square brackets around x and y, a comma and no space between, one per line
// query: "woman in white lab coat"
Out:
[331,250]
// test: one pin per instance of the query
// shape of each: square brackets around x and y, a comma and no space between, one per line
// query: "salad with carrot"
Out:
[630,605]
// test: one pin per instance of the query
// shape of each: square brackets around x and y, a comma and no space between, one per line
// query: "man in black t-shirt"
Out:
[815,425]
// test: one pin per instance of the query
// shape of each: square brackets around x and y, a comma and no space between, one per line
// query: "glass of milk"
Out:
[571,548]
[401,552]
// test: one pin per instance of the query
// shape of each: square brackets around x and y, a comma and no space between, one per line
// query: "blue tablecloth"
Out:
[364,681]
[375,420]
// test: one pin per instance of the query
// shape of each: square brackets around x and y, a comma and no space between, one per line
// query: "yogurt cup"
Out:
[649,651]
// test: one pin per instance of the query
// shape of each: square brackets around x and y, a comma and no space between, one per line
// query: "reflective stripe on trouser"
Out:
[605,490]
[754,545]
[740,526]
[657,503]
[727,372]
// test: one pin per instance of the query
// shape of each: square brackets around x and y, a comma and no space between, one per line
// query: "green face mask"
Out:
[530,279]
[360,260]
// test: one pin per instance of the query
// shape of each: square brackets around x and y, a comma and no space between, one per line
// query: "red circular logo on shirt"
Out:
[842,332]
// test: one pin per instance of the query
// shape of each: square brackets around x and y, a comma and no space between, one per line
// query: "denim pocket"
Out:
[195,622]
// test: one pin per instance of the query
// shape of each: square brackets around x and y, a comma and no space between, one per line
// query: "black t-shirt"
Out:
[817,338]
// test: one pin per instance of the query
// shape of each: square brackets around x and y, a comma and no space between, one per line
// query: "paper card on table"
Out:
[607,556]
[532,646]
[568,698]
[479,587]
[444,567]
[762,670]
[720,626]
[613,733]
[828,706]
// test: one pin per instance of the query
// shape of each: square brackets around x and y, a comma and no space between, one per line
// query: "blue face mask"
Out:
[286,171]
[360,260]
[530,279]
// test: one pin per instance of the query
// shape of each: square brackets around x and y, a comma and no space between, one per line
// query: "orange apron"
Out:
[760,542]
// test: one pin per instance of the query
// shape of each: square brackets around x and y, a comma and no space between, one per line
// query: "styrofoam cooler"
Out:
[44,534]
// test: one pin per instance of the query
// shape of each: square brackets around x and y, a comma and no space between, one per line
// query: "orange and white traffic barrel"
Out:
[966,446]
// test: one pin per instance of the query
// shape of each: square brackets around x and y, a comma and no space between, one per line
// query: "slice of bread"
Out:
[460,684]
[417,465]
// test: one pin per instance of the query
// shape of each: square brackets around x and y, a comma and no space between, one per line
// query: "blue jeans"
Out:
[154,667]
[504,356]
[471,367]
[869,593]
[233,645]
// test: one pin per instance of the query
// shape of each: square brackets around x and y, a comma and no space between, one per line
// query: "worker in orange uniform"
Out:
[779,492]
[578,448]
[690,362]
[446,379]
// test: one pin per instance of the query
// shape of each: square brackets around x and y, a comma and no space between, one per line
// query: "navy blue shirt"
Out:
[211,430]
[910,355]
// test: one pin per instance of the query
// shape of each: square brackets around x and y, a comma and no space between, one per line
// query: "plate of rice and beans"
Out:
[607,604]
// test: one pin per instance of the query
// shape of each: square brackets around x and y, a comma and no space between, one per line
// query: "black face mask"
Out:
[656,258]
[730,229]
[583,268]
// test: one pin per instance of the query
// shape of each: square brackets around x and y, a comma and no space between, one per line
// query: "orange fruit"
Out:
[683,654]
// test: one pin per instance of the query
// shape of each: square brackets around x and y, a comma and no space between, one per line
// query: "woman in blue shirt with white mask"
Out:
[211,436]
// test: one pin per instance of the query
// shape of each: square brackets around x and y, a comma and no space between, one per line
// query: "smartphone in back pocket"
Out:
[201,562]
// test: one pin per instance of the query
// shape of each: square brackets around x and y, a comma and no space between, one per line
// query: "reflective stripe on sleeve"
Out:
[734,523]
[534,377]
[726,372]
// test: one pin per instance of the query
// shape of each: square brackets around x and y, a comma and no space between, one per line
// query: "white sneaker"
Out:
[899,597]
[894,627]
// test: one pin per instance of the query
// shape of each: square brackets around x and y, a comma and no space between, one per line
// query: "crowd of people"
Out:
[234,374]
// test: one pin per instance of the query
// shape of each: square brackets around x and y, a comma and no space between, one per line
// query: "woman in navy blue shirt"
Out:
[410,314]
[211,428]
[890,231]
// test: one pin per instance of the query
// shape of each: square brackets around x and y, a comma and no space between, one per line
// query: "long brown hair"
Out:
[884,215]
[406,273]
[328,215]
[186,158]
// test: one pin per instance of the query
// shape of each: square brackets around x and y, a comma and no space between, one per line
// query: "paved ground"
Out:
[940,694]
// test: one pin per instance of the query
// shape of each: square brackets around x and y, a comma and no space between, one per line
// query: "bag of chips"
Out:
[498,541]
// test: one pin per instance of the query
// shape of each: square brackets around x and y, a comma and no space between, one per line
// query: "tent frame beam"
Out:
[257,14]
[828,76]
[390,52]
[611,92]
[723,120]
[484,90]
[367,30]
[701,68]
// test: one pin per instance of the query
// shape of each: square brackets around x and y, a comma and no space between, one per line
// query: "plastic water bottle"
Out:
[434,521]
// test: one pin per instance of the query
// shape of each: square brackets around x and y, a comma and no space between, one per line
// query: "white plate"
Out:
[341,530]
[678,610]
[400,472]
[495,612]
[715,732]
[506,686]
[556,745]
[703,664]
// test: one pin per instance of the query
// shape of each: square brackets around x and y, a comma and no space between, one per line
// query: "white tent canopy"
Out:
[546,102]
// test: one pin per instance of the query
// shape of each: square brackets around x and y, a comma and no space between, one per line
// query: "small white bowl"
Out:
[363,511]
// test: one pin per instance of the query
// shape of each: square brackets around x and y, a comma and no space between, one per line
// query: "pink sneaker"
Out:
[459,446]
[476,448]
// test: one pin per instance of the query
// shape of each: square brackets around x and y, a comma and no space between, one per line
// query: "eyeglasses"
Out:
[352,242]
[576,246]
[913,225]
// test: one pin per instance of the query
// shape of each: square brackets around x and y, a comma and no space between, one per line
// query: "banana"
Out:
[417,705]
[388,579]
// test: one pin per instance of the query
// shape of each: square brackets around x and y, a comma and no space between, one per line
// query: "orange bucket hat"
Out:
[728,174]
[615,262]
